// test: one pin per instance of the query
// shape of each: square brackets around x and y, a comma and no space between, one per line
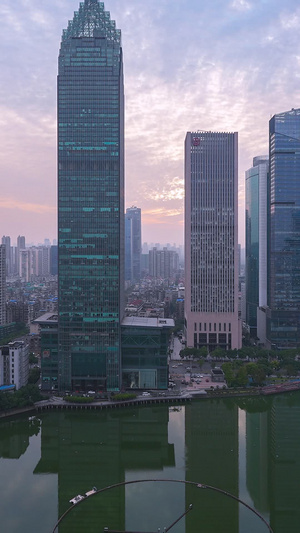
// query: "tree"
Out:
[228,372]
[241,378]
[257,373]
[34,375]
[218,353]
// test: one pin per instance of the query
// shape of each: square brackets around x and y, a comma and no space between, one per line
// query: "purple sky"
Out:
[222,65]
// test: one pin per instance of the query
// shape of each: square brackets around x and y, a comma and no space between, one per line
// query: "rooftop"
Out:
[146,322]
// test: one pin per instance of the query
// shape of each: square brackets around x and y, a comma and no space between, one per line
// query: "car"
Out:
[207,379]
[145,393]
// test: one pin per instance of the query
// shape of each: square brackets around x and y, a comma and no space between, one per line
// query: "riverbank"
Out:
[57,403]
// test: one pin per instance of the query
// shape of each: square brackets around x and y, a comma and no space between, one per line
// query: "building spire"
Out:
[91,20]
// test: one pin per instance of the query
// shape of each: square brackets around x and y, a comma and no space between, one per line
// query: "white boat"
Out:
[76,499]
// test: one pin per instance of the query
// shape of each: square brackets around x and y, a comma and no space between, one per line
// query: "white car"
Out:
[146,393]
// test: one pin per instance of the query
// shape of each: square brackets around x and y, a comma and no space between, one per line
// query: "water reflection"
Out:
[248,447]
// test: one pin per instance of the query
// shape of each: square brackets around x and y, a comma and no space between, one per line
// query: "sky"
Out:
[217,65]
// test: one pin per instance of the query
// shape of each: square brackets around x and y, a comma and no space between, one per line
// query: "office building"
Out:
[145,344]
[90,201]
[133,244]
[256,239]
[2,284]
[211,246]
[282,313]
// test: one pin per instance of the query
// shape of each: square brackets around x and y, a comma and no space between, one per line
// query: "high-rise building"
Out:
[211,245]
[282,313]
[6,241]
[2,284]
[90,200]
[256,239]
[133,243]
[21,245]
[163,264]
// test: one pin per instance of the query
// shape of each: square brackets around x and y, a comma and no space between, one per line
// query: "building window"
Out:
[200,326]
[204,326]
[215,327]
[224,326]
[229,326]
[210,326]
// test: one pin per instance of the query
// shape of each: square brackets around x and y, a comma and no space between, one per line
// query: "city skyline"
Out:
[224,77]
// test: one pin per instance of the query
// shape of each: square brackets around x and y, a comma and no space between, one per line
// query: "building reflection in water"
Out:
[97,452]
[273,461]
[211,433]
[88,448]
[15,435]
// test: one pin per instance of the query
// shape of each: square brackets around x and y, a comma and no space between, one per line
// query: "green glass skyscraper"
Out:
[90,200]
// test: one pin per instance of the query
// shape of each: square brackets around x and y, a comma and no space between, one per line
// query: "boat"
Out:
[77,499]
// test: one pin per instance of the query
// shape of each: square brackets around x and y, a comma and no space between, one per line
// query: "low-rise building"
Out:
[145,343]
[217,375]
[46,329]
[14,364]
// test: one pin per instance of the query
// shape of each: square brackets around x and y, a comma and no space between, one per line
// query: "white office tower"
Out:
[211,240]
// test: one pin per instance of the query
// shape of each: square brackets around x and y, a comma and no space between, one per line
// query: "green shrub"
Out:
[124,396]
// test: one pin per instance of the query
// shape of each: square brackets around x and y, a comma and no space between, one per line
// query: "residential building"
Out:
[282,312]
[256,239]
[21,245]
[14,364]
[133,244]
[90,201]
[163,264]
[8,249]
[2,284]
[211,246]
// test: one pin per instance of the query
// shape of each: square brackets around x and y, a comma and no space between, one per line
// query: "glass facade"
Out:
[90,200]
[133,243]
[283,322]
[145,353]
[256,239]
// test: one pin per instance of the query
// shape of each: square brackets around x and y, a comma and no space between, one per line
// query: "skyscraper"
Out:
[21,245]
[90,200]
[2,284]
[211,246]
[6,241]
[256,239]
[133,243]
[283,317]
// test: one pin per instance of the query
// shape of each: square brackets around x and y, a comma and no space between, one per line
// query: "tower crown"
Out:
[91,20]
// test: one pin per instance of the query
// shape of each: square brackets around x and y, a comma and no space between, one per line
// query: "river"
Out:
[249,447]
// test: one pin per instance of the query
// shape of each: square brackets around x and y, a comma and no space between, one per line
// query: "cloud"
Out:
[221,66]
[241,5]
[12,203]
